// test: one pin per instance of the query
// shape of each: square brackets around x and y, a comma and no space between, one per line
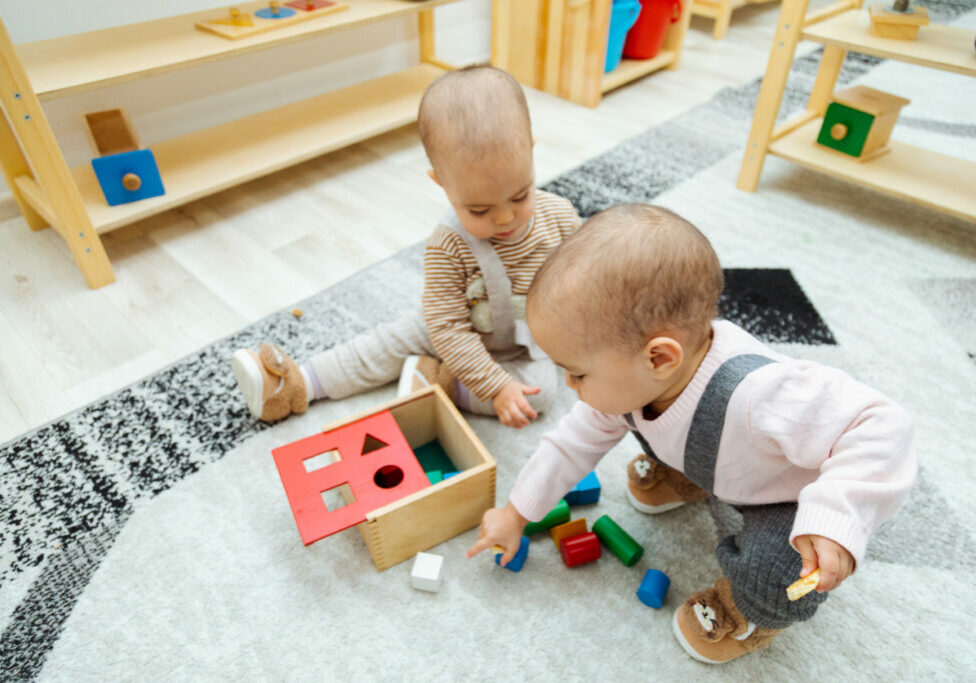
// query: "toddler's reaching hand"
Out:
[511,406]
[503,527]
[835,562]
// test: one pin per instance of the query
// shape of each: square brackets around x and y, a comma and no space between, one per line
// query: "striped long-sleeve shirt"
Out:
[449,267]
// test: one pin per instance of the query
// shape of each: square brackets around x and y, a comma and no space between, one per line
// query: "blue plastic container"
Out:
[623,15]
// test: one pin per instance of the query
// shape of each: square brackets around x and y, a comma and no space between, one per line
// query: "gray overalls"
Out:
[375,358]
[758,560]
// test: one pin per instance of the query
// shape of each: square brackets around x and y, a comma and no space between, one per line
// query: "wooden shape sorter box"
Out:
[385,488]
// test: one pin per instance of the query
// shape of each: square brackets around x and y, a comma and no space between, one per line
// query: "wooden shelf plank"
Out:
[214,159]
[632,69]
[935,180]
[940,47]
[85,61]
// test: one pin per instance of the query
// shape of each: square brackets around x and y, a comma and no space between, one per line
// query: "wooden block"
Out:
[618,541]
[653,588]
[558,515]
[586,491]
[567,530]
[427,572]
[897,25]
[515,564]
[581,549]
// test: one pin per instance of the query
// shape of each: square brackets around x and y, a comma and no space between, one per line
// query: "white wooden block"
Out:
[426,573]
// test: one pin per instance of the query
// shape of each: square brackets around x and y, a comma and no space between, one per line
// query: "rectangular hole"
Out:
[317,462]
[338,497]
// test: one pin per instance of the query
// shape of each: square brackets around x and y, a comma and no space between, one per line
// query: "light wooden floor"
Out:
[188,277]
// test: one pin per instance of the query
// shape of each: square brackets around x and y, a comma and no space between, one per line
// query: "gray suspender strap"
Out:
[705,432]
[507,328]
[648,451]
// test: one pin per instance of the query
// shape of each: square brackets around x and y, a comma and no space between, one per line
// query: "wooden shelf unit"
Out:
[201,163]
[931,179]
[560,46]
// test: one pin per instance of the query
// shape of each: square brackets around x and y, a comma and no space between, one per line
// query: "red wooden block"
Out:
[581,549]
[376,463]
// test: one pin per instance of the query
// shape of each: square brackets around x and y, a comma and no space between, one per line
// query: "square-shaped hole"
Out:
[338,497]
[317,462]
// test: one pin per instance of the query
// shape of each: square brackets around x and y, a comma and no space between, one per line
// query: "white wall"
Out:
[178,102]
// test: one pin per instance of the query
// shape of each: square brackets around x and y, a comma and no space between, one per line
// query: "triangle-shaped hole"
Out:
[371,443]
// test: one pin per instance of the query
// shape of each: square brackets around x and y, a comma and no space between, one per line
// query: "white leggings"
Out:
[375,358]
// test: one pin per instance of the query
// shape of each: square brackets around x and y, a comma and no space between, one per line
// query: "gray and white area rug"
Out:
[147,537]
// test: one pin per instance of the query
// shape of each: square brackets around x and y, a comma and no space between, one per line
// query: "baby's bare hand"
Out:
[833,559]
[501,527]
[511,406]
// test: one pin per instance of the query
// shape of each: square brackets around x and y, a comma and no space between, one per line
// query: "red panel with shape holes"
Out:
[374,477]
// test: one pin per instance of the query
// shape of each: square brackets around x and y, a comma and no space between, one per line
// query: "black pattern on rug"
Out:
[67,488]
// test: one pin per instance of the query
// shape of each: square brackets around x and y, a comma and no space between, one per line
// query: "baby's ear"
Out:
[664,354]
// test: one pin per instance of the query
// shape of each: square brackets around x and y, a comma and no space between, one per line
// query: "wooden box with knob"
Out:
[859,120]
[125,172]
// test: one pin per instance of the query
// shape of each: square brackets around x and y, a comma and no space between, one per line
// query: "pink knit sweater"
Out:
[794,431]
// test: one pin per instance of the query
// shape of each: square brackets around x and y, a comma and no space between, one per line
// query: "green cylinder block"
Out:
[618,541]
[558,515]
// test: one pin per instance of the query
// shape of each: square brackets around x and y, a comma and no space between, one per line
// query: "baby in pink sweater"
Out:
[813,460]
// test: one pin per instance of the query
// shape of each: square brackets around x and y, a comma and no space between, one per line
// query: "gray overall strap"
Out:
[497,285]
[705,433]
[648,451]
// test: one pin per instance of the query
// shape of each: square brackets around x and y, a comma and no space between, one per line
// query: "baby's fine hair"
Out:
[629,272]
[473,110]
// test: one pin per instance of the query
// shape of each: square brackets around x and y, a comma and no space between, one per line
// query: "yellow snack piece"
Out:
[798,589]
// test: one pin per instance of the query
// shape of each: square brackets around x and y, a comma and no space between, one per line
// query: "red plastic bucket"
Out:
[646,37]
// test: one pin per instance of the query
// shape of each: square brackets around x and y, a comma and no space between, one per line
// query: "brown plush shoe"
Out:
[712,630]
[653,487]
[270,381]
[421,371]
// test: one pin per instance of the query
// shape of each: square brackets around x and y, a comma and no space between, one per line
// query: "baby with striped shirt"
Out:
[470,337]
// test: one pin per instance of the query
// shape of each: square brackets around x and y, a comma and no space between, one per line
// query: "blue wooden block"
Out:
[448,475]
[519,559]
[653,588]
[110,169]
[585,492]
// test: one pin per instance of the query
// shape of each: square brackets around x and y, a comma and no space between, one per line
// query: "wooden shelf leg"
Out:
[675,39]
[13,164]
[40,147]
[722,20]
[425,21]
[787,36]
[500,28]
[823,87]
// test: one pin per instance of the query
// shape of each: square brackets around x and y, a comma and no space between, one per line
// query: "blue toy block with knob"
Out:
[653,588]
[585,492]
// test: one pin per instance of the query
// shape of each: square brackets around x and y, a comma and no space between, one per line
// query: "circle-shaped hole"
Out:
[388,476]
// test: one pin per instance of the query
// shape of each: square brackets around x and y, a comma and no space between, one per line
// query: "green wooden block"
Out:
[435,476]
[432,456]
[858,125]
[618,541]
[558,515]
